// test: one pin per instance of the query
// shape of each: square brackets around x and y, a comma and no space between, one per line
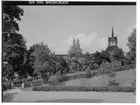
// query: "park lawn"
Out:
[123,77]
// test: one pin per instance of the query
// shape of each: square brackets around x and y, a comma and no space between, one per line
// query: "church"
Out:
[112,43]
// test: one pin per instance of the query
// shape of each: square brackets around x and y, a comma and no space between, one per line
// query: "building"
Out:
[112,43]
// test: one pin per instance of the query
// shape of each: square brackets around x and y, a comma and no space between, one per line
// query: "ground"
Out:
[18,95]
[27,95]
[124,78]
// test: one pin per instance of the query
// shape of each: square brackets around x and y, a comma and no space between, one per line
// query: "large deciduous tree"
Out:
[11,13]
[118,54]
[132,46]
[14,48]
[42,63]
[75,50]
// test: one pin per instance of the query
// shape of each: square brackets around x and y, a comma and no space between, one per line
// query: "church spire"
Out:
[112,32]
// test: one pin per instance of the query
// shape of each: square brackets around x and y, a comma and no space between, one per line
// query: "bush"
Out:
[27,84]
[113,83]
[84,88]
[33,83]
[88,73]
[37,83]
[128,67]
[6,85]
[17,85]
[111,74]
[17,81]
[106,68]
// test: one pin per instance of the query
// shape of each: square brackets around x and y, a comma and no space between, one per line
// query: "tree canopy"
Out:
[11,14]
[14,44]
[75,49]
[132,46]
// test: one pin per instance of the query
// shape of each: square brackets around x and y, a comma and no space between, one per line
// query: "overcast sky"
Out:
[57,25]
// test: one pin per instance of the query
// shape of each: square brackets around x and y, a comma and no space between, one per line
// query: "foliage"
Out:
[11,13]
[27,84]
[17,81]
[128,67]
[88,73]
[63,66]
[33,83]
[14,53]
[75,49]
[105,56]
[118,54]
[8,72]
[17,85]
[132,46]
[13,44]
[84,88]
[42,61]
[113,82]
[109,68]
[31,60]
[6,85]
[132,41]
[134,82]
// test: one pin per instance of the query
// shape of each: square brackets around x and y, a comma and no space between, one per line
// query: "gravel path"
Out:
[95,97]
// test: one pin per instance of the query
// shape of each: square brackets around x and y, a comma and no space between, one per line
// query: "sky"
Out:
[57,25]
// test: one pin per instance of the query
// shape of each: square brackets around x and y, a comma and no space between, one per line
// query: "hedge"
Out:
[33,83]
[84,88]
[128,67]
[6,85]
[16,85]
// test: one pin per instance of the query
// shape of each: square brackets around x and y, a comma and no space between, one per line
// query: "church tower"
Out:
[112,41]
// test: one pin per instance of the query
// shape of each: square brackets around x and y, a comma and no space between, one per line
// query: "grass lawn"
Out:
[123,77]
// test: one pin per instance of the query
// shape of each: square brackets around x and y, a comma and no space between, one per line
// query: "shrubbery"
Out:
[6,86]
[34,83]
[114,66]
[88,73]
[128,67]
[18,81]
[113,83]
[17,85]
[27,84]
[84,88]
[37,83]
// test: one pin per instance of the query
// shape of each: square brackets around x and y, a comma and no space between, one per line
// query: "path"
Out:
[96,97]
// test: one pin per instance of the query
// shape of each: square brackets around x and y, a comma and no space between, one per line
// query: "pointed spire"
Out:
[112,32]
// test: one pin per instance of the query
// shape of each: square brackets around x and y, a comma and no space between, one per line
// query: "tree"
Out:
[14,48]
[75,50]
[31,60]
[11,13]
[105,56]
[118,54]
[15,52]
[42,61]
[132,46]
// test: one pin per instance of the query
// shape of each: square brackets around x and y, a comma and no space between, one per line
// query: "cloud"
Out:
[129,30]
[89,43]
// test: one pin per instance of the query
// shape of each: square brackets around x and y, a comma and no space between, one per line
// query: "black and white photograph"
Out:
[68,52]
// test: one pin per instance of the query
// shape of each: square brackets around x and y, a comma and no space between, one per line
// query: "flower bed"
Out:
[84,88]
